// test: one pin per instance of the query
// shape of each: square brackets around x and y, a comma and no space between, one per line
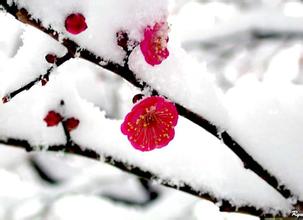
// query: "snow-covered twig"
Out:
[44,78]
[124,71]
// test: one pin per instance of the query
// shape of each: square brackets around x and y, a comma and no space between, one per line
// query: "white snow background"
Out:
[264,116]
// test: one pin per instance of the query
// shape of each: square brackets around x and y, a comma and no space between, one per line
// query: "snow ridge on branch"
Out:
[73,148]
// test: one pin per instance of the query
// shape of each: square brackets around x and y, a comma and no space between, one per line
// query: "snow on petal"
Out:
[154,44]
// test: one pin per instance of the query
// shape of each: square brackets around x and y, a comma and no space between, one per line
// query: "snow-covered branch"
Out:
[75,50]
[43,78]
[75,149]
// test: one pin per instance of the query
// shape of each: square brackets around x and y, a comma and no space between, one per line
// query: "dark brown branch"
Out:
[128,75]
[43,77]
[75,149]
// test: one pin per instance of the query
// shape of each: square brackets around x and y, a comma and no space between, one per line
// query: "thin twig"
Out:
[45,76]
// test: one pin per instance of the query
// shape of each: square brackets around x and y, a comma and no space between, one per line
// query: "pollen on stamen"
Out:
[154,44]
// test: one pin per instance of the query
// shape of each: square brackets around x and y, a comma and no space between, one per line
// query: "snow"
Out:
[37,200]
[107,48]
[207,210]
[100,37]
[192,147]
[293,9]
[209,14]
[264,105]
[276,73]
[101,87]
[13,30]
[225,23]
[30,56]
[267,120]
[178,78]
[90,208]
[263,116]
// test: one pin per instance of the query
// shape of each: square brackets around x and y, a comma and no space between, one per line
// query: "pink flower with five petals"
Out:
[150,124]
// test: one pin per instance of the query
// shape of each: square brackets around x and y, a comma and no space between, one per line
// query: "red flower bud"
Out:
[51,58]
[71,124]
[122,40]
[52,118]
[137,98]
[75,23]
[5,99]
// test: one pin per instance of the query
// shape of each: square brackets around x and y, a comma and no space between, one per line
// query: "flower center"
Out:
[150,117]
[160,42]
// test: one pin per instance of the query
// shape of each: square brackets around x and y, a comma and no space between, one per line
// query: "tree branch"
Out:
[124,72]
[43,77]
[73,148]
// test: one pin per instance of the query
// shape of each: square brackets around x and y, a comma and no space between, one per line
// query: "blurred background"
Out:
[236,40]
